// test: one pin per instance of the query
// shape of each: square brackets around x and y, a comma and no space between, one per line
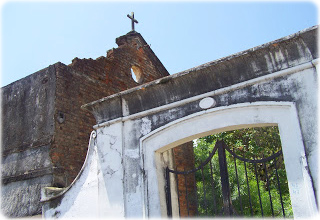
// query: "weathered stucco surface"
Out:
[28,103]
[27,133]
[279,73]
[23,197]
[99,182]
[44,130]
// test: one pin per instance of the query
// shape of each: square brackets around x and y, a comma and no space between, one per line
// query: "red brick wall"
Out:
[133,51]
[184,161]
[87,80]
[72,130]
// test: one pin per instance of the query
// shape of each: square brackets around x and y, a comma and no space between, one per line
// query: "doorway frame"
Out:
[226,118]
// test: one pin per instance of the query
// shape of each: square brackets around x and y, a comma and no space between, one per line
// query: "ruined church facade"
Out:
[144,123]
[137,130]
[45,132]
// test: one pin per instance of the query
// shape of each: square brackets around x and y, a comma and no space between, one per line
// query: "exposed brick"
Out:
[87,80]
[184,161]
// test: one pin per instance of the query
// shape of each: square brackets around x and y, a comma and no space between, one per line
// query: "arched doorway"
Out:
[281,114]
[238,173]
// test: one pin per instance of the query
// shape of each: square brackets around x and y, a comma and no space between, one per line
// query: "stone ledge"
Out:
[27,175]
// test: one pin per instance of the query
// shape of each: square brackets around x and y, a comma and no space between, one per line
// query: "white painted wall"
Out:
[123,172]
[133,175]
[82,190]
[98,189]
[110,171]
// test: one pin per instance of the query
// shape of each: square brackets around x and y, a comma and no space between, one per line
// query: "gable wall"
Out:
[43,110]
[283,71]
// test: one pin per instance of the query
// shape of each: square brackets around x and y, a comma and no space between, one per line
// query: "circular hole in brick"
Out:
[45,80]
[61,117]
[136,74]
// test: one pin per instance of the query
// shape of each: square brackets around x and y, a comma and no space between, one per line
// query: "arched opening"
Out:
[223,119]
[136,74]
[239,173]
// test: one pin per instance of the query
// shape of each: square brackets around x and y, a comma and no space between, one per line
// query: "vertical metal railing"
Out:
[215,211]
[168,193]
[245,167]
[210,206]
[280,193]
[268,187]
[224,179]
[257,179]
[240,200]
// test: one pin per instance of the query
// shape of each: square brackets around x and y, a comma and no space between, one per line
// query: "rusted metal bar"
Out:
[224,179]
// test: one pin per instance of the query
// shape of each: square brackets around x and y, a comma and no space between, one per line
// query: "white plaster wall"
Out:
[110,171]
[98,189]
[123,173]
[133,175]
[229,118]
[307,104]
[74,200]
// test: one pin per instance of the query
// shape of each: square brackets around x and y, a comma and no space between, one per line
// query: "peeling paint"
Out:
[130,152]
[146,126]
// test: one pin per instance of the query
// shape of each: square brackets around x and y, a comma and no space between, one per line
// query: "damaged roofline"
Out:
[166,79]
[285,72]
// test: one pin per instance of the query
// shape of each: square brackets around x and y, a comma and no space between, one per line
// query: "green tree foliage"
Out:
[260,180]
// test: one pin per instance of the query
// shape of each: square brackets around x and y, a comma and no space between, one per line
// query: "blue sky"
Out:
[183,34]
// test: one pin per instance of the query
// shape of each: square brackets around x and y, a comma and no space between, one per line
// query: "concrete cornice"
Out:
[277,56]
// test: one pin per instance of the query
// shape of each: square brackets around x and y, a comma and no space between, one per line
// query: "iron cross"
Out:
[132,20]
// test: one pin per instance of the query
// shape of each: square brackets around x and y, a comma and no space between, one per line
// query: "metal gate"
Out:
[216,200]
